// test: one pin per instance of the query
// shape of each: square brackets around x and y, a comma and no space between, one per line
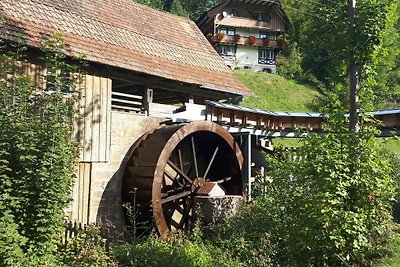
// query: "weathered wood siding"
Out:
[30,67]
[245,10]
[80,194]
[93,125]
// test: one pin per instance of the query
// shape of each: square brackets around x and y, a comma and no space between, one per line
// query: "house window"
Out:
[261,17]
[268,35]
[227,50]
[235,13]
[227,31]
[271,35]
[266,56]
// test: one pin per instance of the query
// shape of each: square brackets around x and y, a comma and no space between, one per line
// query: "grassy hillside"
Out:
[278,93]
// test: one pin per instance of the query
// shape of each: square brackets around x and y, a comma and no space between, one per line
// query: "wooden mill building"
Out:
[143,63]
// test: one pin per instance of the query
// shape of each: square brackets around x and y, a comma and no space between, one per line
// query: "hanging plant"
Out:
[252,40]
[281,43]
[267,42]
[220,36]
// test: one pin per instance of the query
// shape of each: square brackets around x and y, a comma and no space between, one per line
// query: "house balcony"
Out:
[247,41]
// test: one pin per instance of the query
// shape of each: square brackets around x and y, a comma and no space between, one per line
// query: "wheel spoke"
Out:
[194,157]
[170,212]
[176,196]
[175,168]
[211,162]
[186,214]
[223,180]
[180,159]
[173,179]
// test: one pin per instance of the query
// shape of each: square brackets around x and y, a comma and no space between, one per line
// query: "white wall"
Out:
[247,55]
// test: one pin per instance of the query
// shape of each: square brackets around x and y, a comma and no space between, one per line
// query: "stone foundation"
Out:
[212,210]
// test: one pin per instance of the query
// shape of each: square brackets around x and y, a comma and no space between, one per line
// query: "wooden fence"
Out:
[73,229]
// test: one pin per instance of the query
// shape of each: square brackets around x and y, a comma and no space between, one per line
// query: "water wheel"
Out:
[170,164]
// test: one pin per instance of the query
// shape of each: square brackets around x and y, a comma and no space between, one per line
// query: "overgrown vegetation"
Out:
[181,250]
[327,204]
[36,154]
[331,207]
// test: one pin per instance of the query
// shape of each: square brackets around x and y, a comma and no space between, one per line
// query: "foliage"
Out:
[186,8]
[388,71]
[179,251]
[393,258]
[87,248]
[330,200]
[245,237]
[36,153]
[278,93]
[321,30]
[289,64]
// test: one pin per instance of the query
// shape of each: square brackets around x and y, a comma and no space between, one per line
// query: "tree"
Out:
[157,4]
[192,9]
[320,28]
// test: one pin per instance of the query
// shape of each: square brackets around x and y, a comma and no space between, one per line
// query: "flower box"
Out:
[252,40]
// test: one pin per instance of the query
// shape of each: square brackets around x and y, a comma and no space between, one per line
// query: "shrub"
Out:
[246,236]
[181,251]
[330,201]
[36,154]
[87,248]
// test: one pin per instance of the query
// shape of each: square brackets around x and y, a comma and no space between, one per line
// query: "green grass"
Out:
[393,144]
[393,259]
[278,93]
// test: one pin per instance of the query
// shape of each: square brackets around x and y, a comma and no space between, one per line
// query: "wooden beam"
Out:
[170,85]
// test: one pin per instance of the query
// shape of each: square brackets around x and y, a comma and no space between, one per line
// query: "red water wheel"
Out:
[169,165]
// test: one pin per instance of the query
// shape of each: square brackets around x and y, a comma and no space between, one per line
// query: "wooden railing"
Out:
[250,41]
[127,102]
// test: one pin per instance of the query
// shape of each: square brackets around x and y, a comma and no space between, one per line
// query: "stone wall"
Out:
[105,206]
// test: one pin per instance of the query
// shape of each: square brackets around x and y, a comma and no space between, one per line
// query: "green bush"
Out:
[87,248]
[182,251]
[36,154]
[245,237]
[330,201]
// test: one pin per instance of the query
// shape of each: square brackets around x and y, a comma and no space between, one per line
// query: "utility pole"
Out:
[352,68]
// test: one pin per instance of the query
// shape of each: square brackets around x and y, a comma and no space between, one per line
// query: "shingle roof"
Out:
[124,34]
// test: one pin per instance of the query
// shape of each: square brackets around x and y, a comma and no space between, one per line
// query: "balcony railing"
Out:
[249,41]
[266,61]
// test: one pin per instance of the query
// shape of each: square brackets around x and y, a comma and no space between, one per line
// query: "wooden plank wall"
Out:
[31,67]
[92,128]
[80,194]
[245,10]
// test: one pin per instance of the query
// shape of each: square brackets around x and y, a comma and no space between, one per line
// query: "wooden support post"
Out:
[147,99]
[232,118]
[244,140]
